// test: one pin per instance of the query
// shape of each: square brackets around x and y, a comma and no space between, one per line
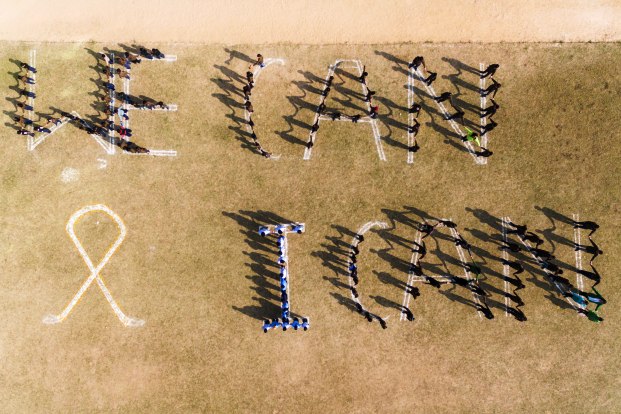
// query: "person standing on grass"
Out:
[382,323]
[250,75]
[484,152]
[414,291]
[369,96]
[471,136]
[418,60]
[487,312]
[517,313]
[489,127]
[459,114]
[593,249]
[249,107]
[518,229]
[408,313]
[259,61]
[432,77]
[433,282]
[363,77]
[444,96]
[490,110]
[421,249]
[591,315]
[426,229]
[413,129]
[374,111]
[587,225]
[490,70]
[415,109]
[515,266]
[491,89]
[594,275]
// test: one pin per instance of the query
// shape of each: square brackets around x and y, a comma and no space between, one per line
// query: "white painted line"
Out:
[452,123]
[546,271]
[578,255]
[126,320]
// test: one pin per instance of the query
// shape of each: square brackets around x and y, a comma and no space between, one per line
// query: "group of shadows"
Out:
[234,88]
[537,264]
[109,103]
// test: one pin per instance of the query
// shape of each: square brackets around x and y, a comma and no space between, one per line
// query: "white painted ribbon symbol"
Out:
[126,320]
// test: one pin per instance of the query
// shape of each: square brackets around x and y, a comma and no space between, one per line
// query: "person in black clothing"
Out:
[517,229]
[414,291]
[487,312]
[490,70]
[587,225]
[491,89]
[443,97]
[432,77]
[594,275]
[517,313]
[433,282]
[415,109]
[413,129]
[408,313]
[490,110]
[421,249]
[533,238]
[483,152]
[514,247]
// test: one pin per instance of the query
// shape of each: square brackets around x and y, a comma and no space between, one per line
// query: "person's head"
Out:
[126,54]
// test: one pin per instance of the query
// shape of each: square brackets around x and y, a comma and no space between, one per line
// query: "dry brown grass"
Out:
[186,265]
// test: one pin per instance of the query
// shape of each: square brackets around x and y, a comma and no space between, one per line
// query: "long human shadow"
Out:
[14,100]
[461,66]
[334,256]
[301,106]
[230,95]
[262,255]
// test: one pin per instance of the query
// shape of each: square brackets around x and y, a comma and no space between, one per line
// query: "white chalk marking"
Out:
[69,175]
[127,321]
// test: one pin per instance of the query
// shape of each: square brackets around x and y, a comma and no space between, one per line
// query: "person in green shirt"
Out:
[471,136]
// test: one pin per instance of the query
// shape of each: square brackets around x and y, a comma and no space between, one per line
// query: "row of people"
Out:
[285,323]
[247,91]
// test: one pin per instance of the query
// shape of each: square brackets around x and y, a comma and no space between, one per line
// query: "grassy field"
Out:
[192,267]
